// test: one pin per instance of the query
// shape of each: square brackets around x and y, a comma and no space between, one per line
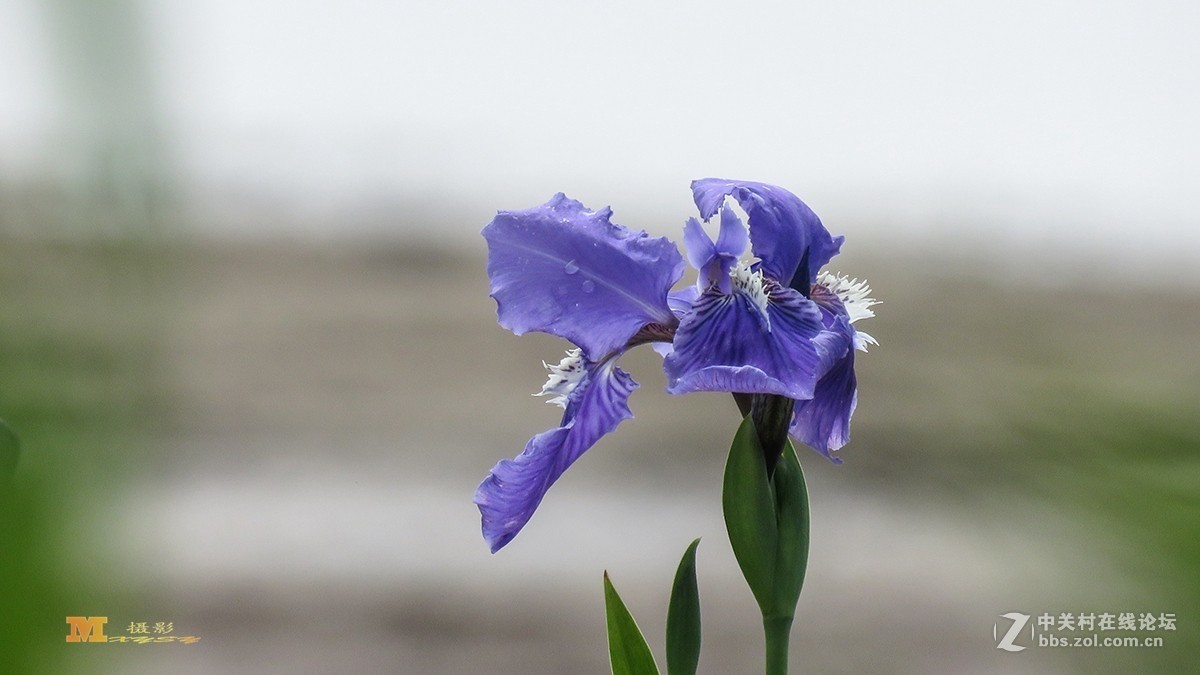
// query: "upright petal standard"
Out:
[788,237]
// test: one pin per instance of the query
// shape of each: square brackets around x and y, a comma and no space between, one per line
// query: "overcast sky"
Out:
[1057,120]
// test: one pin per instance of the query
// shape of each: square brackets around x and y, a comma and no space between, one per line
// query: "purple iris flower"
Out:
[771,326]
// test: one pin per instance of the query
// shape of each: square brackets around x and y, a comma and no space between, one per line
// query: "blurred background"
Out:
[246,341]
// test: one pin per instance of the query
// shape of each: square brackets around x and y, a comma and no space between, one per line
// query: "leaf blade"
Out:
[683,617]
[628,652]
[792,518]
[749,509]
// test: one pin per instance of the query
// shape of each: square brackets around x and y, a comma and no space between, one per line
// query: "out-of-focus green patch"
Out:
[1065,418]
[1129,475]
[78,327]
[1136,468]
[10,453]
[1124,475]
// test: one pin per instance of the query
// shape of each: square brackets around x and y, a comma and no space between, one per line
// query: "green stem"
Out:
[778,630]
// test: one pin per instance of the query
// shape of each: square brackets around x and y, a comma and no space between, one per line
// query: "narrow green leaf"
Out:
[749,510]
[791,502]
[683,618]
[628,652]
[10,451]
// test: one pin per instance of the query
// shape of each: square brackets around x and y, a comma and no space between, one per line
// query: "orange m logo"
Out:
[87,628]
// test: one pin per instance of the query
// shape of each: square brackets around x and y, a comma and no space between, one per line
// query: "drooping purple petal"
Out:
[823,422]
[512,491]
[730,342]
[562,269]
[786,235]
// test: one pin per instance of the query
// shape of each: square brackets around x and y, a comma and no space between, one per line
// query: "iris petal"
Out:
[714,261]
[727,344]
[681,301]
[733,239]
[512,491]
[697,244]
[562,269]
[823,422]
[786,235]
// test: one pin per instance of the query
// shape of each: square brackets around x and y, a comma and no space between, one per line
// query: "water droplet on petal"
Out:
[588,285]
[571,267]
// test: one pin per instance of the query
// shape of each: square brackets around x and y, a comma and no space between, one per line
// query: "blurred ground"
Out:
[274,447]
